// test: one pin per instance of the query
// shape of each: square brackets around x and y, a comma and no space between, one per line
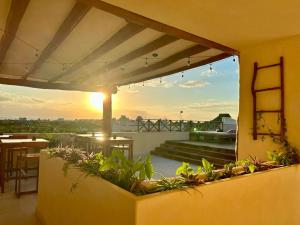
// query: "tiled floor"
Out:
[14,211]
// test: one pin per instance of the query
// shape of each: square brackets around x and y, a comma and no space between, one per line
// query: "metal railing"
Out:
[157,125]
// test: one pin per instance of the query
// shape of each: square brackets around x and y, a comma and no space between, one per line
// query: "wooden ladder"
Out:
[279,88]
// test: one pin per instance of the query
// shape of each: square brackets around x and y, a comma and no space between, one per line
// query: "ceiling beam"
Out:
[118,38]
[78,11]
[149,23]
[148,48]
[184,68]
[15,15]
[57,86]
[163,63]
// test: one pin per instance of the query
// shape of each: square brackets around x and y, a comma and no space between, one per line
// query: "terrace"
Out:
[97,46]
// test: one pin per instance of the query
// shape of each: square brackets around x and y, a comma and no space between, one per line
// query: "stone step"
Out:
[207,146]
[201,150]
[195,152]
[196,156]
[183,159]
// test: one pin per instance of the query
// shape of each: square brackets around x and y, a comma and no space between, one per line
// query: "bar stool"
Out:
[22,172]
[10,159]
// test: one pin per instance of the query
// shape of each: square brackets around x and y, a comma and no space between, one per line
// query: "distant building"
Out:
[60,119]
[22,119]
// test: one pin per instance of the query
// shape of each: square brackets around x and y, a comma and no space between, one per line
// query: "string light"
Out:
[129,86]
[182,75]
[143,83]
[160,81]
[233,59]
[36,53]
[146,62]
[189,61]
[210,67]
[27,69]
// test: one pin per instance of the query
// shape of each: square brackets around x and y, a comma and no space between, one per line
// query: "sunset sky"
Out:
[201,94]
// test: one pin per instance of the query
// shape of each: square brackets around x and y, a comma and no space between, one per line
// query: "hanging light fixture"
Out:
[210,67]
[36,52]
[146,62]
[189,61]
[129,86]
[26,68]
[182,75]
[160,81]
[233,59]
[143,83]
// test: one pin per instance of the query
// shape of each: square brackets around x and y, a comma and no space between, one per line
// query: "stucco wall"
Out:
[144,142]
[240,200]
[265,54]
[93,201]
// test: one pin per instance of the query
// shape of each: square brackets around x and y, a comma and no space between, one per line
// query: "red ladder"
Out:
[255,91]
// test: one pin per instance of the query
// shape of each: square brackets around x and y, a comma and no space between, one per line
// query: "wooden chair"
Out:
[22,172]
[12,152]
[10,159]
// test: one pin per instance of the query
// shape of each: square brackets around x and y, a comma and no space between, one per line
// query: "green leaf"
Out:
[149,167]
[252,168]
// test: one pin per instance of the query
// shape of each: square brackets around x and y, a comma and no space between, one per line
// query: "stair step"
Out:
[207,148]
[197,153]
[201,150]
[185,159]
[220,161]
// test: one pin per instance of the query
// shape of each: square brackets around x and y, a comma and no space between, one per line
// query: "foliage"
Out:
[165,184]
[185,170]
[208,169]
[126,173]
[116,168]
[228,169]
[247,165]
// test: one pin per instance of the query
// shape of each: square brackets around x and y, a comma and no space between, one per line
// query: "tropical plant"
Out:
[209,170]
[165,184]
[228,169]
[124,172]
[247,165]
[185,170]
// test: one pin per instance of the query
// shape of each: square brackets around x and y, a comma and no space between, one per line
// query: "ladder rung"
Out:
[268,111]
[267,89]
[268,134]
[268,66]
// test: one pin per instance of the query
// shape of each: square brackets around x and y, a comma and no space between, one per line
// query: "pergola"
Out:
[90,45]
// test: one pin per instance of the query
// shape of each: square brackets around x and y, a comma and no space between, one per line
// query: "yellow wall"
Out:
[240,200]
[94,201]
[265,54]
[246,200]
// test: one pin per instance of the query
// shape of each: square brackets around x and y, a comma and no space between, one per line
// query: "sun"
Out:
[96,100]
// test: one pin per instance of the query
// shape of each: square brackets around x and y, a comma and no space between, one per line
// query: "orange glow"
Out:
[96,100]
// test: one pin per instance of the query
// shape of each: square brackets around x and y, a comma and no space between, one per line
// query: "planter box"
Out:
[264,198]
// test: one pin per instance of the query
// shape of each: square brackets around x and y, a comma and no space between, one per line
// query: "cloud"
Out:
[160,83]
[19,99]
[193,84]
[214,105]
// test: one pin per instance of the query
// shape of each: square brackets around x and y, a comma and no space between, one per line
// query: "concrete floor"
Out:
[14,211]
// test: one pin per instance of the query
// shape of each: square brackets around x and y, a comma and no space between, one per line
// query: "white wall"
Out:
[144,142]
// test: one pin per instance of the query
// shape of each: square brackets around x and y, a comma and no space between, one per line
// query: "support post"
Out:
[107,114]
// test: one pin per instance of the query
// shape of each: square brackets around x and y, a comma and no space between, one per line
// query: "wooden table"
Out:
[106,142]
[113,141]
[5,136]
[16,143]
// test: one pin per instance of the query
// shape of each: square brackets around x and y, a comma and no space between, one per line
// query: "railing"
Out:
[157,125]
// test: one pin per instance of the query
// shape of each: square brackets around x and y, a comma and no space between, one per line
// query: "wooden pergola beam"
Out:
[166,62]
[78,11]
[184,68]
[58,86]
[150,47]
[15,15]
[149,23]
[118,38]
